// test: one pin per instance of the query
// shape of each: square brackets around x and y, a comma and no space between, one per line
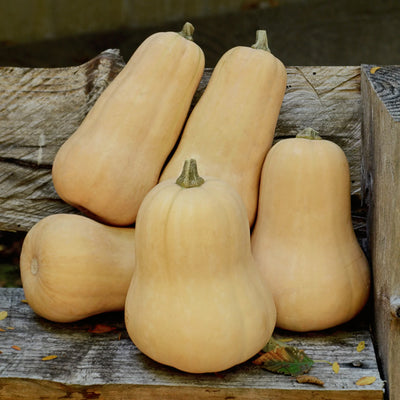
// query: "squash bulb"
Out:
[197,301]
[73,267]
[303,239]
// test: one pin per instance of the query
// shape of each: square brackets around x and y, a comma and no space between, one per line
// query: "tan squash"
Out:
[73,267]
[303,239]
[232,126]
[116,155]
[196,301]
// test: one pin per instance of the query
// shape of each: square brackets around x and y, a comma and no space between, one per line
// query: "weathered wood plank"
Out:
[41,107]
[109,366]
[381,189]
[329,100]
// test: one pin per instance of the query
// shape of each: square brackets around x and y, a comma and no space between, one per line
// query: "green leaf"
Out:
[287,360]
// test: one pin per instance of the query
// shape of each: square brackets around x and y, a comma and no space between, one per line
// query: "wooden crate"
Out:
[40,108]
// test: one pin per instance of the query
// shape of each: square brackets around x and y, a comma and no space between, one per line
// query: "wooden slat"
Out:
[381,189]
[41,107]
[109,366]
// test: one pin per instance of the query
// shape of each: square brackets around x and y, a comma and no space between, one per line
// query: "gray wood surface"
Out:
[41,107]
[381,190]
[109,366]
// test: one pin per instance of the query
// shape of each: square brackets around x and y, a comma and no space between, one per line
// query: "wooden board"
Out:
[41,107]
[381,189]
[108,365]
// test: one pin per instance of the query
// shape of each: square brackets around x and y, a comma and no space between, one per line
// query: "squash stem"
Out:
[189,176]
[187,31]
[261,41]
[309,133]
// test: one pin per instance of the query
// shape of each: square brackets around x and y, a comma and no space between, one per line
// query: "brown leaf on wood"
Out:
[287,360]
[309,379]
[16,348]
[102,328]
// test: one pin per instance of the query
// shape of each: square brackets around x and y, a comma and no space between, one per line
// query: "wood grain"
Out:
[381,191]
[109,366]
[41,107]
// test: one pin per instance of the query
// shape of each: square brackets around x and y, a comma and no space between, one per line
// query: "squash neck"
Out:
[261,41]
[309,133]
[189,176]
[187,31]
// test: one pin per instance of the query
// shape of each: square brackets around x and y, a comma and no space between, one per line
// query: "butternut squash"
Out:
[232,126]
[73,267]
[303,239]
[196,301]
[115,156]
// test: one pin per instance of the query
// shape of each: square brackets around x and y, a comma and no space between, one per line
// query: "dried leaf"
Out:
[16,348]
[335,367]
[3,315]
[374,69]
[366,380]
[50,357]
[24,301]
[309,379]
[274,343]
[2,330]
[10,328]
[286,360]
[102,328]
[361,346]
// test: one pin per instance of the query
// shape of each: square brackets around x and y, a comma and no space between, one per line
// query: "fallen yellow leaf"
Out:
[361,346]
[3,315]
[50,357]
[24,301]
[374,69]
[366,380]
[335,367]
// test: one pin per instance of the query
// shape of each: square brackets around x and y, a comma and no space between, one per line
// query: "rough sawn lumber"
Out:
[381,191]
[109,366]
